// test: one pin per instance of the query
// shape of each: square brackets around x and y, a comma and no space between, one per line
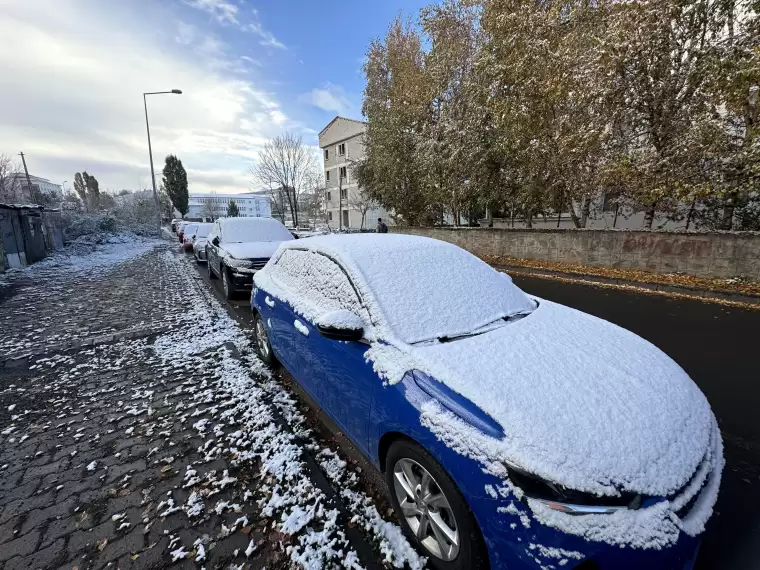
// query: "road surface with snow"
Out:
[137,428]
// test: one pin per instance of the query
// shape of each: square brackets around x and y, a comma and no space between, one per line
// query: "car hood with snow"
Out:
[251,250]
[582,402]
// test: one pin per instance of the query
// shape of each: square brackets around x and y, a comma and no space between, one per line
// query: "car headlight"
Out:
[569,501]
[238,263]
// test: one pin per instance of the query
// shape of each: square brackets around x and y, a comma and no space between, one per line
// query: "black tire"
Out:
[228,283]
[264,348]
[211,274]
[472,553]
[195,255]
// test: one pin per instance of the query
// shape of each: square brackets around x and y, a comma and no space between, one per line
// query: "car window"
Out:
[311,278]
[203,230]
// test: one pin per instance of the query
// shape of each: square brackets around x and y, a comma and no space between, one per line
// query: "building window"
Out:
[329,216]
[344,193]
[327,175]
[327,154]
[345,218]
[343,173]
[342,149]
[329,196]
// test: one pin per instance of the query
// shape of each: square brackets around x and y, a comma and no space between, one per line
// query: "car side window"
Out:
[315,279]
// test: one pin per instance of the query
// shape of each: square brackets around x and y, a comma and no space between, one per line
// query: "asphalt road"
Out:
[718,347]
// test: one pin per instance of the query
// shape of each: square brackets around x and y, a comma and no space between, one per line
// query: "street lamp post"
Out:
[150,153]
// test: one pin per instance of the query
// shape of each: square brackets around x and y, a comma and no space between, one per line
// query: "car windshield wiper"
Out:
[493,325]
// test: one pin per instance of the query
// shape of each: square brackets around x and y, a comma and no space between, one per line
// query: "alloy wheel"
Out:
[262,340]
[426,509]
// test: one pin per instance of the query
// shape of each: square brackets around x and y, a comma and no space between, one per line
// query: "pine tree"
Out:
[92,188]
[80,189]
[232,210]
[175,182]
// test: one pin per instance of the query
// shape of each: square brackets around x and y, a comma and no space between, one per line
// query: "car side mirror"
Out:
[215,241]
[341,325]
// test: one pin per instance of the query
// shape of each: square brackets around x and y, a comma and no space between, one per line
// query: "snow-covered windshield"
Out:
[203,230]
[190,230]
[242,230]
[430,289]
[425,289]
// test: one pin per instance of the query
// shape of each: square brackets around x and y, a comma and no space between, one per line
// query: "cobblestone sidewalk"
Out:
[139,432]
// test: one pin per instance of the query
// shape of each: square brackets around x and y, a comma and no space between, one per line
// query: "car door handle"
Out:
[300,327]
[269,302]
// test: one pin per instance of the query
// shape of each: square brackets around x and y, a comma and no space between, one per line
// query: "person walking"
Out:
[381,227]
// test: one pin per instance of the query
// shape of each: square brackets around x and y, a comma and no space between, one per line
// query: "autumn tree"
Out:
[396,104]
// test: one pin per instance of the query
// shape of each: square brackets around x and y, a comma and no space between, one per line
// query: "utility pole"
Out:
[26,171]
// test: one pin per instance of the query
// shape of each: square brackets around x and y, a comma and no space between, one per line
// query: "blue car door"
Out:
[343,380]
[346,380]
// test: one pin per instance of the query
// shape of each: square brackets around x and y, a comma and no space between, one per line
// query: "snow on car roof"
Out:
[253,229]
[424,288]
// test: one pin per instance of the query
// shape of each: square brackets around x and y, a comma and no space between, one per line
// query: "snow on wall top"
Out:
[253,229]
[422,288]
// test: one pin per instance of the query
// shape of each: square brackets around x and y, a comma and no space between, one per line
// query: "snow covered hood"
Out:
[583,402]
[251,250]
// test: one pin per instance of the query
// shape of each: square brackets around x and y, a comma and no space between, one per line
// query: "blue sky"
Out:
[71,82]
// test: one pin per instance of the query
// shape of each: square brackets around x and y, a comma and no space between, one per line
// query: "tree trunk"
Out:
[529,220]
[585,211]
[727,218]
[690,215]
[649,215]
[573,215]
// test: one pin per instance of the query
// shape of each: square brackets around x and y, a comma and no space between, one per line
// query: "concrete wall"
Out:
[719,255]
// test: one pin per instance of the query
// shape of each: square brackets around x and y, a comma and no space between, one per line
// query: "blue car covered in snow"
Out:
[513,432]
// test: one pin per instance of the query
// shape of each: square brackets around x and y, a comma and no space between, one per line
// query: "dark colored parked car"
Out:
[236,248]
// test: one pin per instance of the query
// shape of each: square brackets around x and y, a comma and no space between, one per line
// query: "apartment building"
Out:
[213,206]
[342,146]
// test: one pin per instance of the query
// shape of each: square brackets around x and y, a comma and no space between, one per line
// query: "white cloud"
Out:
[331,98]
[224,12]
[267,37]
[76,98]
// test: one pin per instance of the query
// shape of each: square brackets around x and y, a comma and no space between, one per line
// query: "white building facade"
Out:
[17,189]
[214,206]
[342,144]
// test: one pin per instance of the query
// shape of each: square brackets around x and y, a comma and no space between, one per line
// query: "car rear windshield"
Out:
[190,229]
[242,230]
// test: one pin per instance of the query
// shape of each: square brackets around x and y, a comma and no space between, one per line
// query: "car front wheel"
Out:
[432,511]
[227,282]
[263,346]
[211,274]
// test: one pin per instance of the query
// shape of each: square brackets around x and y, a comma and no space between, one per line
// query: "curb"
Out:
[697,294]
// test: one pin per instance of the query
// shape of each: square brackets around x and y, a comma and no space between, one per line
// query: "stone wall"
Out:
[718,255]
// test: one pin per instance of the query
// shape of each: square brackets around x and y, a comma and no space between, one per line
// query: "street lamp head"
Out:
[177,91]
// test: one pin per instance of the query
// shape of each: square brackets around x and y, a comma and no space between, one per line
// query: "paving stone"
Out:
[38,517]
[49,557]
[21,546]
